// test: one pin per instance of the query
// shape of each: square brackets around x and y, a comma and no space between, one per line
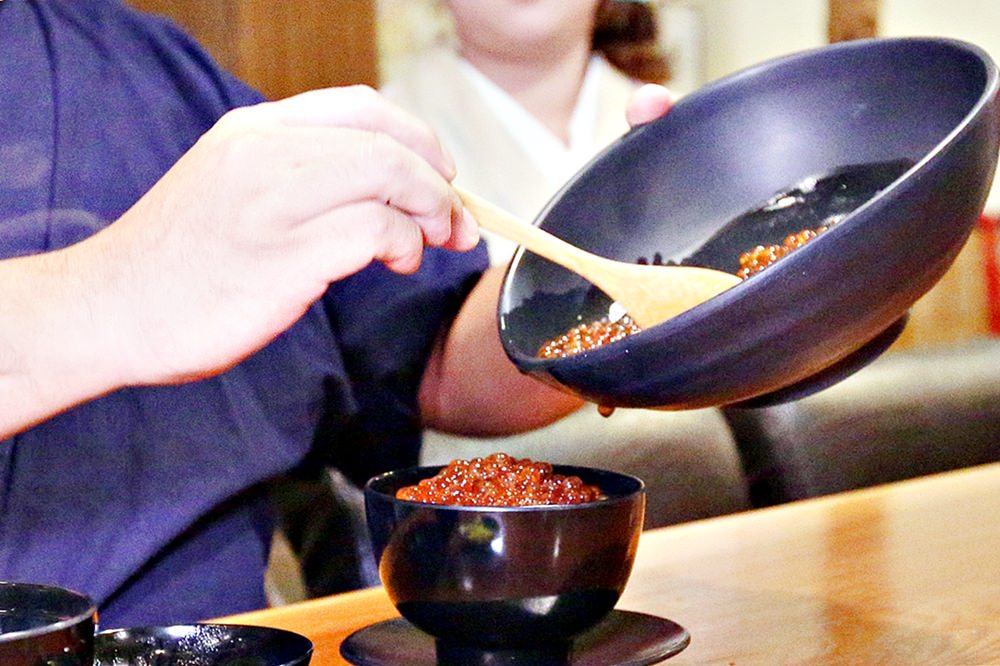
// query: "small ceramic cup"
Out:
[505,578]
[44,625]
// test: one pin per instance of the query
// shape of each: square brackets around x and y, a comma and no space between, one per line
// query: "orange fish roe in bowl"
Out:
[500,480]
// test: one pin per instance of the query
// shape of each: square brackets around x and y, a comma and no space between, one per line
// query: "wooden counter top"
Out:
[907,573]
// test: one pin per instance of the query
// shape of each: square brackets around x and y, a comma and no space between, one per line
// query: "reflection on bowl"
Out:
[44,624]
[201,645]
[907,127]
[505,577]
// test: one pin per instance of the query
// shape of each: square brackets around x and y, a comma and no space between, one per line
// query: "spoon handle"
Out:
[650,294]
[493,218]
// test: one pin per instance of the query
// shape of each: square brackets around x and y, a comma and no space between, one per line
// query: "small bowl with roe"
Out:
[500,570]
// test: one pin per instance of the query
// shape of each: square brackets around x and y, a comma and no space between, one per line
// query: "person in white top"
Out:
[524,94]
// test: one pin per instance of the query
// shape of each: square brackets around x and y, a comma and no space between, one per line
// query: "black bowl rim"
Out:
[83,616]
[426,471]
[306,646]
[534,364]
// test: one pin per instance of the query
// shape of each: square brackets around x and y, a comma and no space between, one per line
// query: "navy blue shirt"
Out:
[150,499]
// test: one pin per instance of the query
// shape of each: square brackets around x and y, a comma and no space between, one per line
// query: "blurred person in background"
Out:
[523,94]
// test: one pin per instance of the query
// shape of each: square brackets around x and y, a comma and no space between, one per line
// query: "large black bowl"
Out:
[482,578]
[201,645]
[44,625]
[895,138]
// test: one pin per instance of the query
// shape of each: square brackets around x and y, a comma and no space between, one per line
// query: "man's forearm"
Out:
[472,388]
[51,354]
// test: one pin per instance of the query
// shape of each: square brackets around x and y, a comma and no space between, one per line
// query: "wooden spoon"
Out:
[650,294]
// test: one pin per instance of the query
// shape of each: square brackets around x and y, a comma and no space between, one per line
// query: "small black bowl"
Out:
[897,139]
[45,625]
[201,645]
[505,578]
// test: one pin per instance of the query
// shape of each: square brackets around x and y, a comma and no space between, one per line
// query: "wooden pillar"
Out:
[285,47]
[852,19]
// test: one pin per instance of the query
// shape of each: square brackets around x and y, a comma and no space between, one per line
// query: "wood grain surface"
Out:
[907,573]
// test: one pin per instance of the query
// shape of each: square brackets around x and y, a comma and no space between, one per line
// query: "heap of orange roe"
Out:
[500,480]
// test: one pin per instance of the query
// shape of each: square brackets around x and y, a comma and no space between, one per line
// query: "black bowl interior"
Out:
[893,140]
[201,645]
[505,576]
[42,624]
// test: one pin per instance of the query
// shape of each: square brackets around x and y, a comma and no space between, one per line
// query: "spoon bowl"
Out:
[649,294]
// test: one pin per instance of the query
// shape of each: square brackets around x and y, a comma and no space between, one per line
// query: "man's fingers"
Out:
[349,238]
[465,232]
[361,107]
[349,145]
[328,168]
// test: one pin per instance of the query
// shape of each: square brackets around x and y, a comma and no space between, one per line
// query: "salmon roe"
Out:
[759,258]
[500,480]
[584,337]
[588,336]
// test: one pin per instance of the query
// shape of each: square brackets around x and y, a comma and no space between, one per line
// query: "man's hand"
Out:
[260,216]
[226,251]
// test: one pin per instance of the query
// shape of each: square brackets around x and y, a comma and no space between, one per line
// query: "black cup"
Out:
[505,578]
[44,625]
[202,645]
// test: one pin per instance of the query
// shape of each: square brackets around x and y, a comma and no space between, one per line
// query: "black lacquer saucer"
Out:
[623,638]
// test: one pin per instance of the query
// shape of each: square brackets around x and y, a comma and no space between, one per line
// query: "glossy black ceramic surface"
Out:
[43,625]
[505,576]
[201,645]
[623,638]
[926,108]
